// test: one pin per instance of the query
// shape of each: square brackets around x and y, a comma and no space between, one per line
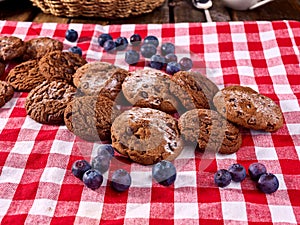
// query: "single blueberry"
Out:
[148,50]
[79,167]
[121,43]
[103,38]
[132,57]
[167,48]
[171,58]
[121,180]
[157,62]
[151,40]
[173,67]
[135,40]
[222,178]
[186,63]
[164,172]
[71,35]
[76,50]
[238,172]
[268,183]
[106,148]
[109,46]
[255,170]
[101,162]
[92,179]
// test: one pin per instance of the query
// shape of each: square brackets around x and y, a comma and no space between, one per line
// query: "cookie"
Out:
[247,108]
[95,77]
[2,69]
[90,117]
[146,135]
[11,47]
[193,90]
[46,102]
[36,48]
[149,88]
[210,131]
[6,92]
[25,76]
[58,65]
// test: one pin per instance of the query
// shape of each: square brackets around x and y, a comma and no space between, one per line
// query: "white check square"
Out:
[23,147]
[90,210]
[11,175]
[234,211]
[134,210]
[282,213]
[290,105]
[265,153]
[53,175]
[44,207]
[186,211]
[141,179]
[185,179]
[62,147]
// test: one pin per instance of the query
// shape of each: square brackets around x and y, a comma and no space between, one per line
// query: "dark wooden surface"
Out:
[171,11]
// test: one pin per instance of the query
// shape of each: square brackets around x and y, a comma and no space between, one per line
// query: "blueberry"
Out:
[164,172]
[71,35]
[167,48]
[170,58]
[76,50]
[148,50]
[132,57]
[92,179]
[79,167]
[173,67]
[121,43]
[186,63]
[255,170]
[107,148]
[151,40]
[103,38]
[135,39]
[101,162]
[121,180]
[157,62]
[268,183]
[222,178]
[238,172]
[109,46]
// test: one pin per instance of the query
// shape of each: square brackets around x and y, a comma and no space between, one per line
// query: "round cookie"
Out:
[149,88]
[25,76]
[193,90]
[58,65]
[11,47]
[46,102]
[210,131]
[6,92]
[90,117]
[146,135]
[2,68]
[36,48]
[247,108]
[95,77]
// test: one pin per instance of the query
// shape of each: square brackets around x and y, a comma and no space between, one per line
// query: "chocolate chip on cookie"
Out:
[25,76]
[146,135]
[90,117]
[58,65]
[149,88]
[46,102]
[6,92]
[36,48]
[210,131]
[245,107]
[11,47]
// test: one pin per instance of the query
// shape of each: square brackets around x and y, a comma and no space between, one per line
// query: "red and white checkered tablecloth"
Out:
[36,184]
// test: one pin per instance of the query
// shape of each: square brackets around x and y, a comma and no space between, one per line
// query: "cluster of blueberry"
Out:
[72,36]
[164,172]
[266,182]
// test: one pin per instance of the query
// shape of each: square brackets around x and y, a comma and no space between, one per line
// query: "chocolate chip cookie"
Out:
[11,47]
[146,135]
[245,107]
[150,88]
[210,131]
[90,117]
[25,76]
[46,102]
[58,65]
[6,92]
[36,48]
[193,90]
[96,77]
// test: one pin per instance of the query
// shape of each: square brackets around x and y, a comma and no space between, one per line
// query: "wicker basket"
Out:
[97,8]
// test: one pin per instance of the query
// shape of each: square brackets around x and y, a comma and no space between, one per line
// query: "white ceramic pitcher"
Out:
[244,4]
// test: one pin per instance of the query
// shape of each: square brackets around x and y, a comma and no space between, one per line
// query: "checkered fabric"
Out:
[36,184]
